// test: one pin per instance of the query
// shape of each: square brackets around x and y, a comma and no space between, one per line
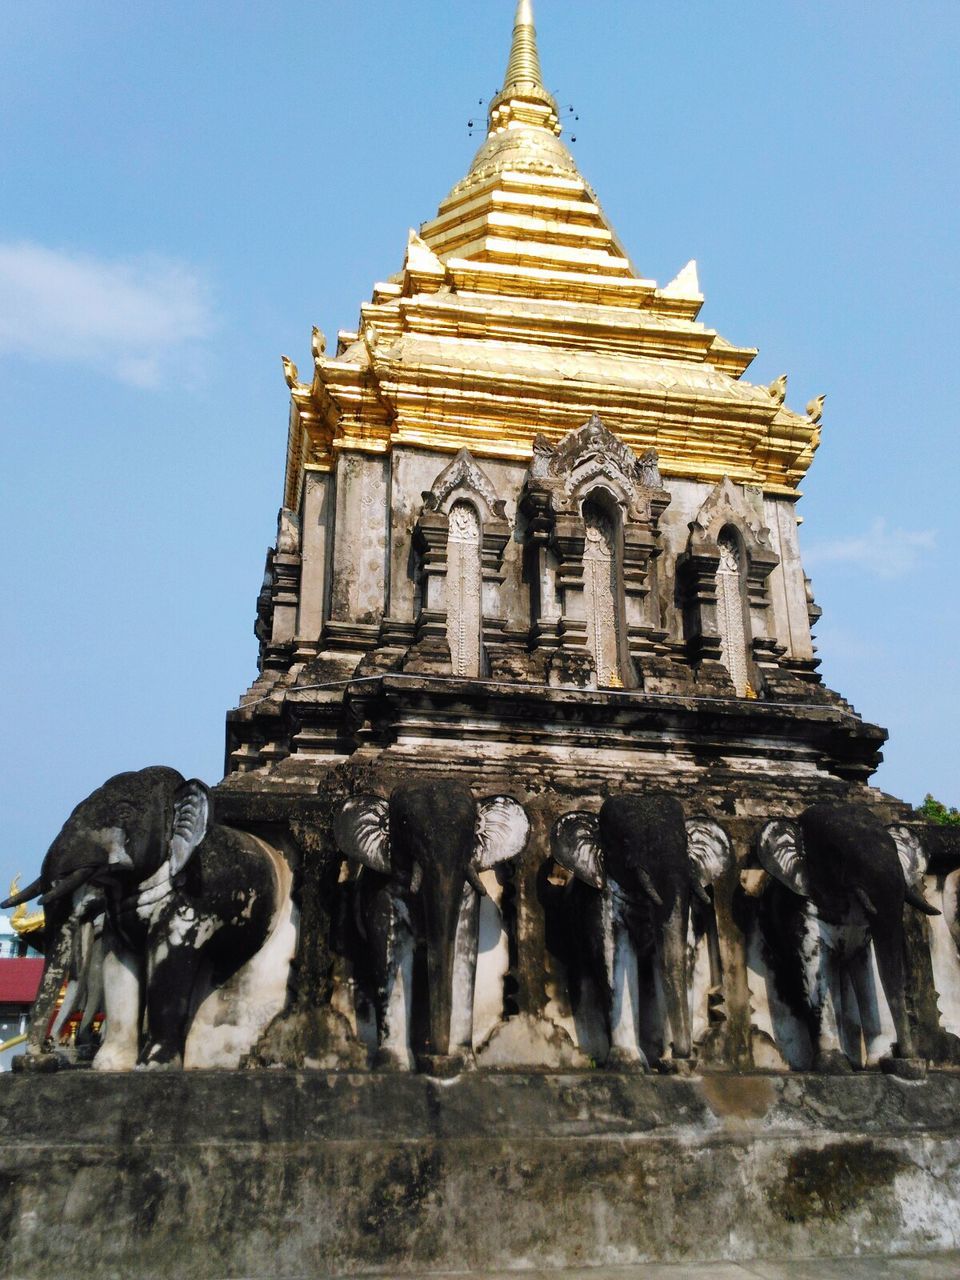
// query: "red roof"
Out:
[20,979]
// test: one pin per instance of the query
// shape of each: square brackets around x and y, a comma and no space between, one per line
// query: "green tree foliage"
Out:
[935,811]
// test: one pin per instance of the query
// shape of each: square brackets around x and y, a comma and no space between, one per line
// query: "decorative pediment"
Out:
[729,505]
[592,456]
[463,477]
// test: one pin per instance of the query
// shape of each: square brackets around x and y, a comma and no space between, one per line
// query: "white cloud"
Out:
[134,319]
[885,553]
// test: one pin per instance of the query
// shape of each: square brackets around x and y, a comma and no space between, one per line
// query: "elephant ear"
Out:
[575,843]
[361,828]
[502,830]
[191,816]
[911,855]
[913,860]
[780,850]
[709,850]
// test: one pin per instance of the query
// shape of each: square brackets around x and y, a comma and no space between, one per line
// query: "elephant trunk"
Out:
[442,895]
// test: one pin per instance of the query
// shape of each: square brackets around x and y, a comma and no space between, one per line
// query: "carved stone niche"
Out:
[722,579]
[593,509]
[461,535]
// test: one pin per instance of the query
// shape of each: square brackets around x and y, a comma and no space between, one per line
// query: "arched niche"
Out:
[722,579]
[460,538]
[590,470]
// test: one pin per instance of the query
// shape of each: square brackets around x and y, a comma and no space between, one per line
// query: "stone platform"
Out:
[287,1174]
[945,1266]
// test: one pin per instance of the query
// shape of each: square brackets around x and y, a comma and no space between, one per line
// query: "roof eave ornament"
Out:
[523,98]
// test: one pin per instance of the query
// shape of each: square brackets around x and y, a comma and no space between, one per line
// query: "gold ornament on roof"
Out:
[815,408]
[291,373]
[778,389]
[22,920]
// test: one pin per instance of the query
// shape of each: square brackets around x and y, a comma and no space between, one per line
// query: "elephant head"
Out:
[430,842]
[646,861]
[852,878]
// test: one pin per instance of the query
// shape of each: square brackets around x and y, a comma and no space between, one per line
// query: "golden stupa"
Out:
[518,311]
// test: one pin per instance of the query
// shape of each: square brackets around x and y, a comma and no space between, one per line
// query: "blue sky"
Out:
[186,188]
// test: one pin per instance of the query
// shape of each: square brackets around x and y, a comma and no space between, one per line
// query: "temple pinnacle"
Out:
[523,98]
[524,64]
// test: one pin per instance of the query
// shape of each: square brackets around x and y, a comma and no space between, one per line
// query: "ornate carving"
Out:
[589,455]
[560,486]
[649,466]
[726,505]
[733,644]
[464,590]
[600,595]
[463,473]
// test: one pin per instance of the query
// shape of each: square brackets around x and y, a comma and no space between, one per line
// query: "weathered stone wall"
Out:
[199,1176]
[360,565]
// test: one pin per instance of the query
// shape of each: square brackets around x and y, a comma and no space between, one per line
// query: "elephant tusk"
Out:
[700,891]
[473,878]
[919,901]
[647,885]
[67,885]
[24,895]
[66,1008]
[863,898]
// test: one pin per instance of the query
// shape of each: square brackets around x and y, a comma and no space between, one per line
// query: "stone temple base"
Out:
[288,1174]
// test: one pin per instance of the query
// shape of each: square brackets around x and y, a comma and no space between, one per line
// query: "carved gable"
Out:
[592,456]
[730,504]
[461,478]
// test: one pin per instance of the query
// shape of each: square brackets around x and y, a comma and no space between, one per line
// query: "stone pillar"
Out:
[697,571]
[496,535]
[315,540]
[573,663]
[544,611]
[431,653]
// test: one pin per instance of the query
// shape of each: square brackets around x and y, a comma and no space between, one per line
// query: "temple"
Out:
[529,468]
[537,796]
[539,539]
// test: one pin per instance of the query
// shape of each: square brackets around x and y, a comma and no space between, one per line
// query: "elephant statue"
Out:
[182,906]
[840,882]
[421,854]
[636,866]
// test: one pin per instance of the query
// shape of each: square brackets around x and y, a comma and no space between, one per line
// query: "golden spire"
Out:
[524,64]
[523,98]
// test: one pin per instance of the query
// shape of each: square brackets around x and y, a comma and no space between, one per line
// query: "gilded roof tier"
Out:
[518,312]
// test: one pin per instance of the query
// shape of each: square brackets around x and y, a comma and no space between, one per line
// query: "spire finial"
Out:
[523,98]
[524,64]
